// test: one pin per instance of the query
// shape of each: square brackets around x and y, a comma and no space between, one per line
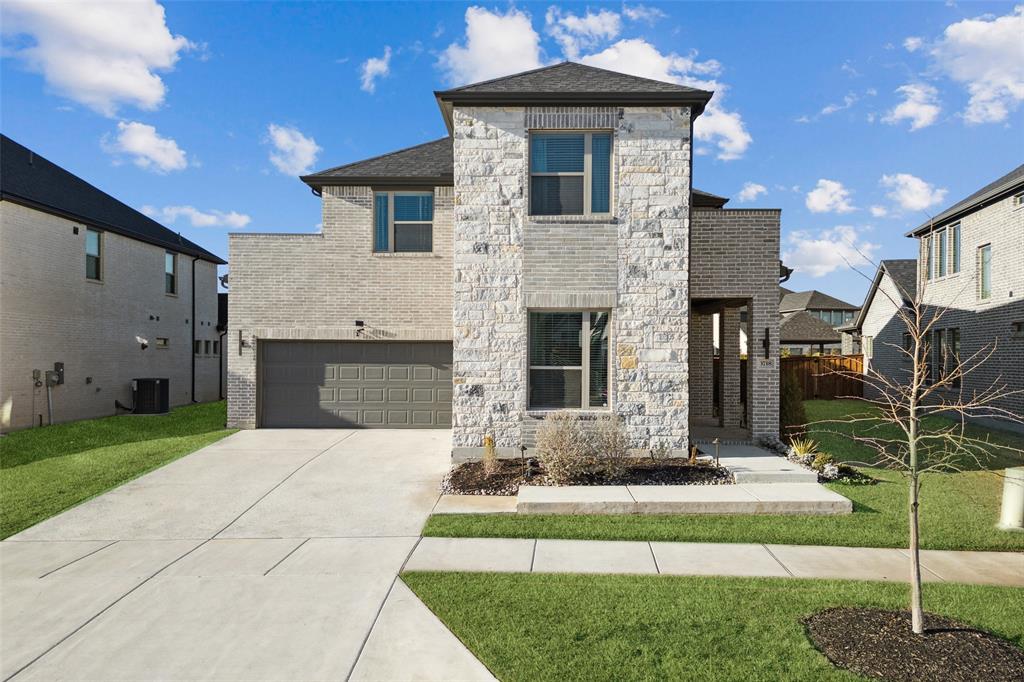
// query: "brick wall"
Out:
[50,312]
[735,254]
[315,286]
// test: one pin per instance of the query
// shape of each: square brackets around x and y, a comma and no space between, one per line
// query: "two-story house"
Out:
[549,253]
[969,269]
[97,294]
[812,322]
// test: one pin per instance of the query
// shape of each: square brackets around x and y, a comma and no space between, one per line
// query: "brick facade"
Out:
[50,312]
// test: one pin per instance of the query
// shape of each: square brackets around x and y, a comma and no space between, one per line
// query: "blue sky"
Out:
[855,119]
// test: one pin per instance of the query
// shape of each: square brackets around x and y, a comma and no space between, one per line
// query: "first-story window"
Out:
[953,359]
[198,347]
[403,222]
[939,351]
[569,360]
[570,173]
[93,254]
[170,272]
[216,347]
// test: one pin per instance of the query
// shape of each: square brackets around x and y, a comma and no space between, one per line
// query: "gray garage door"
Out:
[356,384]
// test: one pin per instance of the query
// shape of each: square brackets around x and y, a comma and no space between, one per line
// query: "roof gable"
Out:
[31,180]
[903,272]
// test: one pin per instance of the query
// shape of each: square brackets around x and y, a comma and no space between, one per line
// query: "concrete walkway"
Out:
[270,555]
[684,558]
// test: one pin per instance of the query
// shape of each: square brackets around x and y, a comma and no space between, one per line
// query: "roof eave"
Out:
[202,254]
[319,182]
[979,203]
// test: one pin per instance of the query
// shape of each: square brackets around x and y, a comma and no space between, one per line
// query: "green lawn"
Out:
[44,471]
[576,627]
[958,511]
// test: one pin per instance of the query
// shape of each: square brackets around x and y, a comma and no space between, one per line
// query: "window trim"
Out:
[956,250]
[173,273]
[584,368]
[99,254]
[391,194]
[587,173]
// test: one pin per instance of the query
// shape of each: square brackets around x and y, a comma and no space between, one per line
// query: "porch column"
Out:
[702,373]
[732,410]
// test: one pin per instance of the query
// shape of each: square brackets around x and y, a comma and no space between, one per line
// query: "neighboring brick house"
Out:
[971,268]
[88,282]
[550,253]
[812,322]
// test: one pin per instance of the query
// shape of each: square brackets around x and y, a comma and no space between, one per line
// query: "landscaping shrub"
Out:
[611,447]
[792,416]
[562,446]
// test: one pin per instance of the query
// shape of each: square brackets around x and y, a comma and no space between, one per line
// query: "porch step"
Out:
[801,476]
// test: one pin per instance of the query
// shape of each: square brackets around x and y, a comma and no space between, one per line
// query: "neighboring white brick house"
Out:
[562,197]
[970,266]
[52,311]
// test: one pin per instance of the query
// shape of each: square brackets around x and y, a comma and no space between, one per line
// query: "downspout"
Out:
[192,347]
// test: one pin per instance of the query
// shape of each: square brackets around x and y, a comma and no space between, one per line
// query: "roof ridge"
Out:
[510,75]
[375,158]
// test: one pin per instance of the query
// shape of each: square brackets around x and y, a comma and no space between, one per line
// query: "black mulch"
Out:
[469,478]
[881,644]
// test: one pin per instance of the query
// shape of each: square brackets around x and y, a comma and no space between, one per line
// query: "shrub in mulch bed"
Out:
[880,644]
[469,478]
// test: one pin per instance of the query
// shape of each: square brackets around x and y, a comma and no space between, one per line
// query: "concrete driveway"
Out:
[270,555]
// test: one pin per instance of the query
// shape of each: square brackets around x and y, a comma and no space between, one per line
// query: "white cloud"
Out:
[849,69]
[496,45]
[100,54]
[717,124]
[986,54]
[817,255]
[197,218]
[750,191]
[848,102]
[829,195]
[374,68]
[294,153]
[912,43]
[919,106]
[146,147]
[574,33]
[911,192]
[879,211]
[642,13]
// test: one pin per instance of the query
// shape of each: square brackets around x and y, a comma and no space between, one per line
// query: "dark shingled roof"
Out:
[1012,180]
[30,180]
[571,78]
[812,300]
[425,165]
[903,272]
[803,327]
[428,164]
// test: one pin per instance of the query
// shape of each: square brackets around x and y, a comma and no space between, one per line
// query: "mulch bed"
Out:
[880,644]
[469,478]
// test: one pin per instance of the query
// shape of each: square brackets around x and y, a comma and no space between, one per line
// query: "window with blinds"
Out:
[570,173]
[568,354]
[403,222]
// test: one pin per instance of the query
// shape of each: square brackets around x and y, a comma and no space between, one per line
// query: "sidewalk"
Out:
[685,558]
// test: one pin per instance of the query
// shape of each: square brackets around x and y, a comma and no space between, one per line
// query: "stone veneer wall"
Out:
[636,264]
[314,287]
[735,254]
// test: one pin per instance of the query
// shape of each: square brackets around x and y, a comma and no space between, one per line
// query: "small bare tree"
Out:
[932,384]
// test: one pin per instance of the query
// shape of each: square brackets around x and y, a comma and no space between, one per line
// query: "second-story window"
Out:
[985,271]
[170,272]
[929,257]
[93,254]
[403,222]
[955,238]
[941,236]
[570,173]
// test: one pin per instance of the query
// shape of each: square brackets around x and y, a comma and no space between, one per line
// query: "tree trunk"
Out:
[916,609]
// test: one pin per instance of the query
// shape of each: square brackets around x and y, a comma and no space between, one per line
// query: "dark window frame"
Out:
[98,256]
[171,278]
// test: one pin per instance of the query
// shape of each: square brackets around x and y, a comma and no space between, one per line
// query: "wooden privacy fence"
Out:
[827,377]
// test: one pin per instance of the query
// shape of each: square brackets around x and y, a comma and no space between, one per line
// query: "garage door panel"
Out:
[355,384]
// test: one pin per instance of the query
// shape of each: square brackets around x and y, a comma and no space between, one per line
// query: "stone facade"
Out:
[634,263]
[314,287]
[50,312]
